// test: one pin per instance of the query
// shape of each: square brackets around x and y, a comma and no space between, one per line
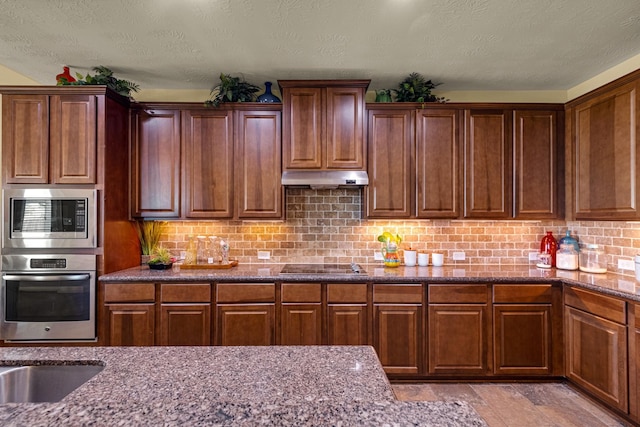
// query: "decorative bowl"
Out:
[159,266]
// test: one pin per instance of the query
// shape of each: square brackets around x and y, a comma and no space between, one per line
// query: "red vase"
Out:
[65,75]
[549,245]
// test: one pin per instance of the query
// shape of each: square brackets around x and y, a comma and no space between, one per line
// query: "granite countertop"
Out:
[276,385]
[609,283]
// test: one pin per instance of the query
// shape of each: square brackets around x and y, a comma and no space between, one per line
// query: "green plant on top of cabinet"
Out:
[323,124]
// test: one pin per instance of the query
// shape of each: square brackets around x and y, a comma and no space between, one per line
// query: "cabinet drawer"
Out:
[246,292]
[185,292]
[444,294]
[129,292]
[600,305]
[522,293]
[301,292]
[337,293]
[397,293]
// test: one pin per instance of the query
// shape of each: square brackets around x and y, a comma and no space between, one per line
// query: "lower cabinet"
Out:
[397,327]
[301,314]
[347,314]
[245,314]
[458,329]
[185,314]
[596,345]
[128,314]
[634,361]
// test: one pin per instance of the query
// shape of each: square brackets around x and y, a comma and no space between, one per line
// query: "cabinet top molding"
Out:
[323,83]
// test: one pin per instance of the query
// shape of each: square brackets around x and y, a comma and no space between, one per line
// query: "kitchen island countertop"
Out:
[609,283]
[275,385]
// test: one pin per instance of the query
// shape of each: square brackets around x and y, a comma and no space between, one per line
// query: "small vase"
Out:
[66,75]
[390,255]
[267,96]
[549,245]
[383,96]
[144,259]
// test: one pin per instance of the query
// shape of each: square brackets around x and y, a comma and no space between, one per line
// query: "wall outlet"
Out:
[264,255]
[626,264]
[459,256]
[533,256]
[377,256]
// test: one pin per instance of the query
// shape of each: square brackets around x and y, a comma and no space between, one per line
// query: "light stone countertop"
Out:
[277,385]
[609,283]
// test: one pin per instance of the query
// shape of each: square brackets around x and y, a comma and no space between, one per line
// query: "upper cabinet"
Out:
[50,138]
[604,131]
[323,124]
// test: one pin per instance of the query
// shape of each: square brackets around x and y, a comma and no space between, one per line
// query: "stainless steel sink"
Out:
[44,383]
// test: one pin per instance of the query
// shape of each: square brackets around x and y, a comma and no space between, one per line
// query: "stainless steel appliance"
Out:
[48,297]
[346,269]
[43,218]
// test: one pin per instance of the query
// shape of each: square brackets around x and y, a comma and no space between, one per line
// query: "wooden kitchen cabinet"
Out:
[185,314]
[390,145]
[207,137]
[596,345]
[323,124]
[128,314]
[458,329]
[634,361]
[245,314]
[527,329]
[258,152]
[50,139]
[347,314]
[604,130]
[301,314]
[397,325]
[155,163]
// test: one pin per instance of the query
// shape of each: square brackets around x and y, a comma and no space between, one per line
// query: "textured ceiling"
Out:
[186,44]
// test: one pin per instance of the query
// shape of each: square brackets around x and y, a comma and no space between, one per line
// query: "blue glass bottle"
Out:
[568,240]
[267,96]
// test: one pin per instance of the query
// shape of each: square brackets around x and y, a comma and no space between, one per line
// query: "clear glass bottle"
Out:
[201,257]
[567,257]
[192,251]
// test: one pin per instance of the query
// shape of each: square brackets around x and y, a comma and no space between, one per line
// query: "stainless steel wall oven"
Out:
[48,297]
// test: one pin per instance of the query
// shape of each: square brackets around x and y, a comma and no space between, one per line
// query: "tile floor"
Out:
[517,404]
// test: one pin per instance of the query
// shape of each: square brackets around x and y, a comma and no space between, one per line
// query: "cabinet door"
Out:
[72,139]
[131,324]
[397,333]
[522,339]
[303,128]
[258,158]
[458,341]
[390,137]
[437,163]
[185,324]
[536,160]
[25,139]
[301,324]
[156,163]
[487,164]
[345,128]
[208,163]
[596,356]
[245,324]
[634,361]
[606,144]
[347,324]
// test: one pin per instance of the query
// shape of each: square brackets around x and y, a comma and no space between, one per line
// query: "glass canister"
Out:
[593,259]
[567,239]
[567,257]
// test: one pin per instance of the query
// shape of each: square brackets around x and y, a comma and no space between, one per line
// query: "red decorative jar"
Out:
[549,245]
[66,75]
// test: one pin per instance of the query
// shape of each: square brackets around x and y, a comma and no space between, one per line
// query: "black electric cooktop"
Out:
[349,269]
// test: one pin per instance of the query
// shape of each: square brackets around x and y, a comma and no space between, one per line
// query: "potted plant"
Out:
[383,95]
[103,76]
[161,259]
[232,89]
[149,233]
[415,88]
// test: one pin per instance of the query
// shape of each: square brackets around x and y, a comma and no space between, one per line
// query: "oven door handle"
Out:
[32,278]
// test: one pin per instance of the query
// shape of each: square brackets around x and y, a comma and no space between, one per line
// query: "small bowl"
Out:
[160,266]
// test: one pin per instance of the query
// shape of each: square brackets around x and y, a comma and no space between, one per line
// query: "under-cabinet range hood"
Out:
[325,179]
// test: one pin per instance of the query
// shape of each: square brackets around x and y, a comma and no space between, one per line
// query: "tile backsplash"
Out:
[327,226]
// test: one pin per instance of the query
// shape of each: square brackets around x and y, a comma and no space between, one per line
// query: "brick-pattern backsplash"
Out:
[327,226]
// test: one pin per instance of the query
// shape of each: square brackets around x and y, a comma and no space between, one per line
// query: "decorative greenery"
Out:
[415,88]
[383,95]
[387,237]
[232,89]
[104,76]
[161,256]
[149,235]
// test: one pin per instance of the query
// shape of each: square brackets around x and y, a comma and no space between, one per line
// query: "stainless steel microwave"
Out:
[42,218]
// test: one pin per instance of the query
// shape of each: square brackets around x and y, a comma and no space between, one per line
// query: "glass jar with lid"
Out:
[593,259]
[567,257]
